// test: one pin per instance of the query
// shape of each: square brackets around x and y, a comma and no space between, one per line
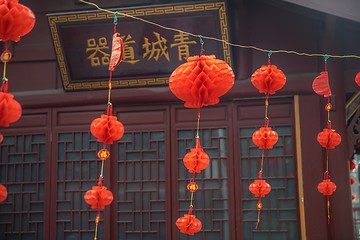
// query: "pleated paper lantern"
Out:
[10,109]
[329,138]
[189,224]
[265,138]
[196,160]
[16,20]
[321,84]
[260,188]
[107,129]
[201,81]
[3,193]
[327,187]
[268,79]
[98,197]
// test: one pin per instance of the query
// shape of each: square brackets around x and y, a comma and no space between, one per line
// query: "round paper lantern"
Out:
[10,109]
[16,20]
[201,81]
[321,85]
[1,138]
[260,188]
[357,78]
[329,138]
[196,160]
[268,79]
[353,196]
[327,187]
[98,197]
[107,129]
[265,138]
[189,224]
[3,193]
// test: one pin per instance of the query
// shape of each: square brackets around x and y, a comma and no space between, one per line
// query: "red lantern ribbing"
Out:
[328,138]
[199,82]
[267,79]
[106,129]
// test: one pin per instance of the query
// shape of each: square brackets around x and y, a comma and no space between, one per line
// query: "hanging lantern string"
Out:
[202,51]
[192,192]
[262,160]
[327,161]
[97,219]
[269,55]
[220,40]
[198,124]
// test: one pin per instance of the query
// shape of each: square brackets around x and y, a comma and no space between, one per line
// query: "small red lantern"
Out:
[352,165]
[3,193]
[196,160]
[107,129]
[201,81]
[353,196]
[189,224]
[327,187]
[260,188]
[265,138]
[268,79]
[10,109]
[16,20]
[357,78]
[329,138]
[321,84]
[352,181]
[1,138]
[98,197]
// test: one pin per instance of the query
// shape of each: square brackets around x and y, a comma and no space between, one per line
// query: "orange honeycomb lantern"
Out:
[329,138]
[10,109]
[189,224]
[326,187]
[196,160]
[3,193]
[16,20]
[98,197]
[321,85]
[201,81]
[107,129]
[260,188]
[265,138]
[268,79]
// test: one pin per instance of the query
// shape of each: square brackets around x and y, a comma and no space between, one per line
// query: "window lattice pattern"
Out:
[279,212]
[141,185]
[77,171]
[22,168]
[211,199]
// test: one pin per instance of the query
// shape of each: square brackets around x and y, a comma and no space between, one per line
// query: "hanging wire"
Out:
[221,40]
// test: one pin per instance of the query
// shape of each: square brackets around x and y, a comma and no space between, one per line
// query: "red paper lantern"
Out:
[260,188]
[352,165]
[10,109]
[352,181]
[268,79]
[201,81]
[1,138]
[321,84]
[196,160]
[265,138]
[107,129]
[189,224]
[98,197]
[327,187]
[3,193]
[329,138]
[353,197]
[357,78]
[16,20]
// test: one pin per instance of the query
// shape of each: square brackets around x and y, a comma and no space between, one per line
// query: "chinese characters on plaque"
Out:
[82,43]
